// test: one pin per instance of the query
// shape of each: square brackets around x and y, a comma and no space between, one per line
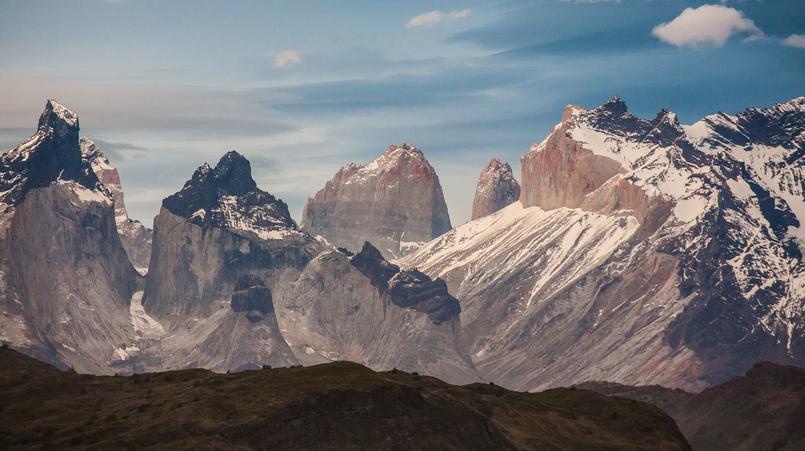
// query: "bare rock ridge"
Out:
[641,251]
[496,189]
[65,279]
[395,202]
[136,237]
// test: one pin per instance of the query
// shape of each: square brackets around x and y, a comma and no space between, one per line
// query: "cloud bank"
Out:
[707,25]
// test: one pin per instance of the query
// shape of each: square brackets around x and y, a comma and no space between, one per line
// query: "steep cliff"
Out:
[395,202]
[496,189]
[221,246]
[65,278]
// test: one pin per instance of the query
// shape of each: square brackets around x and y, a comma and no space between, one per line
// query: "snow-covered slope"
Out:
[699,276]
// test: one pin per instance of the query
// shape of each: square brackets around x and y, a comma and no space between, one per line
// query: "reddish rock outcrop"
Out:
[395,202]
[496,189]
[559,171]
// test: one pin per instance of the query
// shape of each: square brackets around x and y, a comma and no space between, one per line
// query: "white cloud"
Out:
[430,19]
[795,40]
[706,25]
[287,59]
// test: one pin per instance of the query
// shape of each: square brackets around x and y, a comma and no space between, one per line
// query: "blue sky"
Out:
[302,88]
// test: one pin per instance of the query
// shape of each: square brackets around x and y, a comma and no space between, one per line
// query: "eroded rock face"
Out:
[644,252]
[136,237]
[65,278]
[364,309]
[496,189]
[395,202]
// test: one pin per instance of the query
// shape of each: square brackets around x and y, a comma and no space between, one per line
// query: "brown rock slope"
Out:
[334,406]
[395,202]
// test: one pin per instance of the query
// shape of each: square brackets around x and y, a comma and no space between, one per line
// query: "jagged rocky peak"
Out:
[780,125]
[496,189]
[227,196]
[395,202]
[52,154]
[614,117]
[58,119]
[614,106]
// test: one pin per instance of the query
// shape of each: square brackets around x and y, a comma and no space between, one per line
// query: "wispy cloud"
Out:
[706,25]
[434,17]
[287,59]
[795,40]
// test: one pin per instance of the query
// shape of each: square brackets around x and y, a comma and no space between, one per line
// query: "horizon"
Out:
[162,88]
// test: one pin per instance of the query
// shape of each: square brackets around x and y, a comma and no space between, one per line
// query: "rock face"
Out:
[235,284]
[65,278]
[641,251]
[220,246]
[364,309]
[232,282]
[136,238]
[395,202]
[496,189]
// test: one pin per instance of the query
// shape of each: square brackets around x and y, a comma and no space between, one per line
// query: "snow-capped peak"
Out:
[63,112]
[227,196]
[51,155]
[58,118]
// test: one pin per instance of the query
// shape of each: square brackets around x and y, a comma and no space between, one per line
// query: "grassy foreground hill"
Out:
[333,406]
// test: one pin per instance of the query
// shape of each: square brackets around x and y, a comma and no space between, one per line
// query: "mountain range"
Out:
[636,251]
